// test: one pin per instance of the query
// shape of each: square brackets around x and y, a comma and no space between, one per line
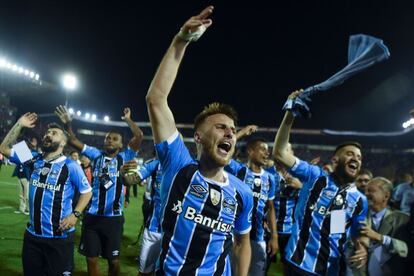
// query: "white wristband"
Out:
[194,36]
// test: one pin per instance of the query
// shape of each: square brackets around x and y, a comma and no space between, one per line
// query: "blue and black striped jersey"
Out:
[51,189]
[284,202]
[152,169]
[312,247]
[262,186]
[107,185]
[198,215]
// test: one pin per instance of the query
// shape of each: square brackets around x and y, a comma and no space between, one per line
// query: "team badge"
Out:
[249,180]
[339,200]
[45,170]
[229,205]
[257,182]
[215,196]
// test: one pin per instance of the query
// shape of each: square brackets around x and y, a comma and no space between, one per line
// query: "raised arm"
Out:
[136,141]
[280,147]
[27,120]
[161,117]
[66,120]
[246,131]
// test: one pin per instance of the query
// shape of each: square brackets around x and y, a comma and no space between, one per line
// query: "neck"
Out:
[113,154]
[377,209]
[52,155]
[254,167]
[211,171]
[340,180]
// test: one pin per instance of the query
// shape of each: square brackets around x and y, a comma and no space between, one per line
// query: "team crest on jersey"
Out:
[215,196]
[54,174]
[45,170]
[229,205]
[339,200]
[257,182]
[198,190]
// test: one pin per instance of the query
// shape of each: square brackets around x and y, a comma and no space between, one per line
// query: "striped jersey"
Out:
[107,185]
[152,170]
[262,186]
[284,202]
[51,189]
[198,215]
[312,247]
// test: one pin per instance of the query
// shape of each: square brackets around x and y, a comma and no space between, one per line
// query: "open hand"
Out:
[63,114]
[28,120]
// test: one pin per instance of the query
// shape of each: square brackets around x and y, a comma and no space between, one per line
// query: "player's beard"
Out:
[211,151]
[341,171]
[53,146]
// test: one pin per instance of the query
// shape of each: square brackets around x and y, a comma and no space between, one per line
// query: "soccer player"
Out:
[103,223]
[201,205]
[262,184]
[49,238]
[328,211]
[286,196]
[151,238]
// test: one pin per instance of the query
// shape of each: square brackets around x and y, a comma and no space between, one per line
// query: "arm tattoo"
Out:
[11,137]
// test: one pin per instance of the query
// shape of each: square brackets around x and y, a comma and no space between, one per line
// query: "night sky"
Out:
[252,57]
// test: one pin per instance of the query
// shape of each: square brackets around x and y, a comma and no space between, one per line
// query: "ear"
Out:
[334,160]
[197,137]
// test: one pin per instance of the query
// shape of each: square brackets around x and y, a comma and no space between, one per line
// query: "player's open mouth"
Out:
[224,147]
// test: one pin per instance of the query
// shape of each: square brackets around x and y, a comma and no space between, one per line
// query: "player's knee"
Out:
[92,260]
[113,263]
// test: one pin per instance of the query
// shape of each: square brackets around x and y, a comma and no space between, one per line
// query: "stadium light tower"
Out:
[70,84]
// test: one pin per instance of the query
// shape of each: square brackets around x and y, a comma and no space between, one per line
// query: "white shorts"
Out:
[150,250]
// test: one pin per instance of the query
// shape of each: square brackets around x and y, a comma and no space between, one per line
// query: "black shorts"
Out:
[101,236]
[48,256]
[283,241]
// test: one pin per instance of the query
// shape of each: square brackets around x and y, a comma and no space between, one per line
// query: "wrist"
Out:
[77,214]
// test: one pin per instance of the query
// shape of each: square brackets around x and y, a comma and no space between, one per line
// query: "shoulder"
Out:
[400,216]
[239,185]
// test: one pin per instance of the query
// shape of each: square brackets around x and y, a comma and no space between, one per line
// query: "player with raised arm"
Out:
[48,243]
[328,211]
[201,205]
[103,223]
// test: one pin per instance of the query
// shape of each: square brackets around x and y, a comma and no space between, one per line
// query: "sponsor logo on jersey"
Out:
[249,180]
[198,190]
[178,207]
[115,253]
[259,195]
[48,186]
[219,225]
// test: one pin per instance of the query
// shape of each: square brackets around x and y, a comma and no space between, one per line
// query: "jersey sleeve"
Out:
[397,195]
[243,222]
[305,172]
[128,154]
[147,169]
[360,216]
[173,156]
[78,178]
[233,167]
[91,152]
[14,158]
[272,187]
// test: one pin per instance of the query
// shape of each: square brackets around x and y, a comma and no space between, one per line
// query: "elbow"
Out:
[278,154]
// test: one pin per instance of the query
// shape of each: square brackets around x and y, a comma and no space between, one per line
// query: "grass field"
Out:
[12,227]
